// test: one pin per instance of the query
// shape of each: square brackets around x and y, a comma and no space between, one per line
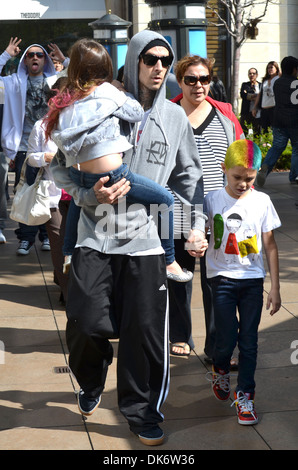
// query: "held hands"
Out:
[110,195]
[196,244]
[13,47]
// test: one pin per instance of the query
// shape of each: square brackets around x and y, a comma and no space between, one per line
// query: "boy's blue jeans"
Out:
[246,295]
[142,191]
[281,137]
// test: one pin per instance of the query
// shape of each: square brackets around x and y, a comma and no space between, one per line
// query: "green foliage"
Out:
[264,141]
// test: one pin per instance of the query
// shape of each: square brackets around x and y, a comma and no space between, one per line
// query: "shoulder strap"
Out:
[23,178]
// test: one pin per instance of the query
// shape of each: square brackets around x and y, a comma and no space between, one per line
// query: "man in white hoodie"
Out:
[24,96]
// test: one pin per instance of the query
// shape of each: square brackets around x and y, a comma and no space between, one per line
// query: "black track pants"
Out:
[111,296]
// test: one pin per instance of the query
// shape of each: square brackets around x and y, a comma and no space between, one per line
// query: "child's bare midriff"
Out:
[101,164]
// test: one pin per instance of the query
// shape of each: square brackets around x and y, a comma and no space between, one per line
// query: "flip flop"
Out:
[181,346]
[234,363]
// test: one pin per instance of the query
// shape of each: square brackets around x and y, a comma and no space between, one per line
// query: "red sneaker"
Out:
[220,384]
[245,408]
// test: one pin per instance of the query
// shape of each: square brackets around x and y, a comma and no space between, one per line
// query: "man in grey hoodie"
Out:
[117,285]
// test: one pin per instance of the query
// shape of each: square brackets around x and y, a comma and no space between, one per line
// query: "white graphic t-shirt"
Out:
[235,247]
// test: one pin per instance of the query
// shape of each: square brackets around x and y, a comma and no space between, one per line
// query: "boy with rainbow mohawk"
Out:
[241,221]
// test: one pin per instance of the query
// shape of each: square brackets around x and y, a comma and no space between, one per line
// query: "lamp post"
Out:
[112,32]
[182,23]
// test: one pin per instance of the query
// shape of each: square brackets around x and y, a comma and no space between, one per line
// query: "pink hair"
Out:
[243,153]
[62,100]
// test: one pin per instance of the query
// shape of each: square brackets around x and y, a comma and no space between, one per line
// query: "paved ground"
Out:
[37,404]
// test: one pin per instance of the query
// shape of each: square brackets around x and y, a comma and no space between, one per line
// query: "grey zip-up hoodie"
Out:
[166,152]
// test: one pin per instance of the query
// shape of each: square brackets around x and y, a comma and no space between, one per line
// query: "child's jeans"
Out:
[142,191]
[246,295]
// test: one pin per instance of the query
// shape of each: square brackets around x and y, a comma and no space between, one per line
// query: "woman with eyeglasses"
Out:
[215,127]
[265,100]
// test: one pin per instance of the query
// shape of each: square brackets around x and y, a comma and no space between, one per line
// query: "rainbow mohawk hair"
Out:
[243,153]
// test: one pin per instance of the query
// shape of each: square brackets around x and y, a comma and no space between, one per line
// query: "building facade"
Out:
[277,38]
[56,21]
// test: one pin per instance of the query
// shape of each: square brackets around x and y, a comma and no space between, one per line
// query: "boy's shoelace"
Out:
[245,405]
[222,380]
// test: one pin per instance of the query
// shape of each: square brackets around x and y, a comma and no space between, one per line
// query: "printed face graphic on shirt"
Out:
[234,237]
[233,224]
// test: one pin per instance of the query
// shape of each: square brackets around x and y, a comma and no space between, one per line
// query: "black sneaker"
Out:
[45,245]
[151,437]
[262,175]
[86,405]
[24,247]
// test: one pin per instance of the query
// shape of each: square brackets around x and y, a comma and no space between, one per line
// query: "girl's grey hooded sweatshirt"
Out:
[166,152]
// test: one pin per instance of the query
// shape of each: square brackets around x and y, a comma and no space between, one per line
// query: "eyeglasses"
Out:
[39,55]
[191,80]
[252,73]
[151,60]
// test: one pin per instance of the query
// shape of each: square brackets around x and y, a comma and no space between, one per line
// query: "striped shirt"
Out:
[212,145]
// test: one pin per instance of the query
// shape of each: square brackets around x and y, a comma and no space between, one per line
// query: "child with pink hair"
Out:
[247,217]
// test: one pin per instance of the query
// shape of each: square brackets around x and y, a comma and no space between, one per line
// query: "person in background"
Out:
[265,99]
[249,92]
[172,87]
[120,74]
[285,121]
[25,96]
[3,195]
[58,65]
[40,154]
[215,127]
[217,89]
